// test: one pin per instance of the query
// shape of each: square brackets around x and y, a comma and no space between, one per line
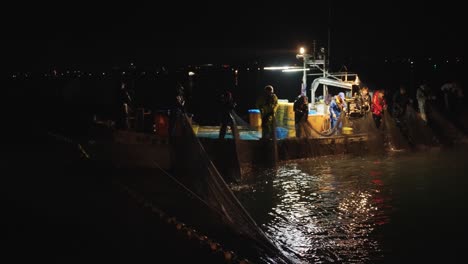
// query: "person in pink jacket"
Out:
[379,105]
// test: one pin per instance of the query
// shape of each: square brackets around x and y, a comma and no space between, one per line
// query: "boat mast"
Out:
[329,30]
[326,59]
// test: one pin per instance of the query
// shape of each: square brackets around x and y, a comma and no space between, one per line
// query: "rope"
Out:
[229,255]
[188,190]
[215,247]
[328,133]
[69,141]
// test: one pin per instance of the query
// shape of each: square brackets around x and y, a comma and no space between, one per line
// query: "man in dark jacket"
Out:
[227,106]
[301,113]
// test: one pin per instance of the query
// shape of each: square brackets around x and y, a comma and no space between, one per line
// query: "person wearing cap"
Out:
[337,107]
[267,103]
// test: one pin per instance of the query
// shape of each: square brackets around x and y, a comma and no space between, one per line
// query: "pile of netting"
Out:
[194,169]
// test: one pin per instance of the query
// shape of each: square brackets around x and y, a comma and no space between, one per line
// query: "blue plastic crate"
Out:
[281,133]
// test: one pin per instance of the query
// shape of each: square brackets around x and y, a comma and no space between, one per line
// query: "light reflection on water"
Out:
[340,209]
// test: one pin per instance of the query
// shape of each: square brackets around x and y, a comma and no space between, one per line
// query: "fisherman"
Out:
[422,95]
[364,100]
[124,107]
[177,109]
[176,127]
[267,103]
[453,97]
[301,112]
[400,103]
[227,107]
[337,107]
[379,105]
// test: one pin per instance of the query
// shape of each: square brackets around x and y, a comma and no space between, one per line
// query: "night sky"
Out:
[92,35]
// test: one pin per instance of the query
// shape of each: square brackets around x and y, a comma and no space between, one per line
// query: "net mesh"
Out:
[393,136]
[196,171]
[417,131]
[315,137]
[446,130]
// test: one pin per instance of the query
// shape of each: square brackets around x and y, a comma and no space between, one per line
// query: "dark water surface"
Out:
[401,207]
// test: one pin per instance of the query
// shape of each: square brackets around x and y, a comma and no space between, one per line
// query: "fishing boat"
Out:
[145,143]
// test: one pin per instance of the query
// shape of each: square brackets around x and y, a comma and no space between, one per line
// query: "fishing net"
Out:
[306,129]
[365,125]
[448,133]
[417,131]
[393,136]
[311,138]
[251,150]
[322,138]
[462,121]
[195,170]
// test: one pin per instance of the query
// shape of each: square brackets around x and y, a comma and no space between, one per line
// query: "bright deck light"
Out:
[295,70]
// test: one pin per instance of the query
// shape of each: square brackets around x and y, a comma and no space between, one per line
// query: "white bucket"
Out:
[321,109]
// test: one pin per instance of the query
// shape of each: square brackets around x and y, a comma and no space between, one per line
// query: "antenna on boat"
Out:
[329,31]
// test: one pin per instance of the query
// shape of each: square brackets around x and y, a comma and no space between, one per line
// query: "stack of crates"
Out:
[289,120]
[280,112]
